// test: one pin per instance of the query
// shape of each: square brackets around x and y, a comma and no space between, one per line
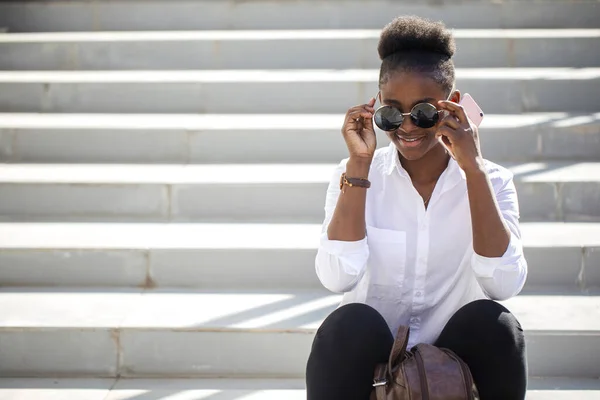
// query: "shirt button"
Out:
[418,294]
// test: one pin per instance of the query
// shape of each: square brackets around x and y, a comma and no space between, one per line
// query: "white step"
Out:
[231,389]
[553,191]
[306,14]
[275,138]
[337,48]
[176,333]
[498,90]
[243,257]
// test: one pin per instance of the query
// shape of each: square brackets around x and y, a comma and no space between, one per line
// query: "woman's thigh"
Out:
[491,341]
[346,349]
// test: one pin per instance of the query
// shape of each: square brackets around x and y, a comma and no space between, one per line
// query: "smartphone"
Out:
[472,109]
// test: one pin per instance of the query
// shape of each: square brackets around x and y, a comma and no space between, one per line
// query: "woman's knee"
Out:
[488,321]
[488,313]
[350,325]
[354,318]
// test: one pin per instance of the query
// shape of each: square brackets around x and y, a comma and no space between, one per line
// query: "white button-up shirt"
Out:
[417,266]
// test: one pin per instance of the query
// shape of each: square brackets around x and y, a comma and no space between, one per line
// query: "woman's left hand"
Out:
[460,136]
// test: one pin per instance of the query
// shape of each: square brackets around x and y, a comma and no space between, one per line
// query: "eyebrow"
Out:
[396,102]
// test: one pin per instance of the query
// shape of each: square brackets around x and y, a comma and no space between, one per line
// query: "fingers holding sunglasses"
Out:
[462,144]
[358,114]
[358,131]
[451,122]
[447,136]
[455,109]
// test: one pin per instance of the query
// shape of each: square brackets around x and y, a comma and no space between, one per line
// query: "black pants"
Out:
[355,337]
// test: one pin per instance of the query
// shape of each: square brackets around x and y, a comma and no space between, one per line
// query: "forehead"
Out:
[406,88]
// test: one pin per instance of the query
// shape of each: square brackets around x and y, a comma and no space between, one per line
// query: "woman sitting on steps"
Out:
[423,233]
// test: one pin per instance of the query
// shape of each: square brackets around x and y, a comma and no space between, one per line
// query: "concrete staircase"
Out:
[161,191]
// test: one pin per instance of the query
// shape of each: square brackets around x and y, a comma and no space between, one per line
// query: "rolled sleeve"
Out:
[504,277]
[339,265]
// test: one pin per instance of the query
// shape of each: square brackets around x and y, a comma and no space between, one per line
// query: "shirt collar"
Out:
[393,160]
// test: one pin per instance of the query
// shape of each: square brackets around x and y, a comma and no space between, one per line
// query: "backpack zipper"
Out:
[422,377]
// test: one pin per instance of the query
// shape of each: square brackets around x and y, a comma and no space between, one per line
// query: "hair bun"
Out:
[411,33]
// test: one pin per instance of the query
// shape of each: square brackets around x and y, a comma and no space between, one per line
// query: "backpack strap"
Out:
[399,347]
[381,381]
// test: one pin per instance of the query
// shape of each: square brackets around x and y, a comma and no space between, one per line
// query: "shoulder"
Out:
[499,176]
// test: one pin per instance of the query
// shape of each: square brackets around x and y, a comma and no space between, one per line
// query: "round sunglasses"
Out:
[423,115]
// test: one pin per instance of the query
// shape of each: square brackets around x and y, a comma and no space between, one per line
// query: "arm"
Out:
[490,232]
[498,260]
[348,221]
[343,251]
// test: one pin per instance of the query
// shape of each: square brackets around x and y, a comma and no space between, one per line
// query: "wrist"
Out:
[475,172]
[477,167]
[358,167]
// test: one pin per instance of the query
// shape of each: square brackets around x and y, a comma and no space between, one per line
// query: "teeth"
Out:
[411,140]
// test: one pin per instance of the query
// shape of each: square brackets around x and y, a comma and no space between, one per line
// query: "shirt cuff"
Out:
[340,248]
[486,266]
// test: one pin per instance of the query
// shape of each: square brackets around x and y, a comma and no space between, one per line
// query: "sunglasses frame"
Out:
[401,113]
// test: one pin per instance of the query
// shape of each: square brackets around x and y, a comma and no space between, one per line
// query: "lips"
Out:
[413,139]
[410,141]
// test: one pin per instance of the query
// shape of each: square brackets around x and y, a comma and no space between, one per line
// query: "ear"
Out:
[455,97]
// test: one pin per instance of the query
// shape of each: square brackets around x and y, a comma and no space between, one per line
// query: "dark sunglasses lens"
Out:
[425,115]
[388,118]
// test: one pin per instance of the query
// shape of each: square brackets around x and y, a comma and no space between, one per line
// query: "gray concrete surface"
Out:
[283,49]
[263,138]
[563,257]
[233,389]
[556,191]
[308,14]
[171,333]
[261,302]
[503,91]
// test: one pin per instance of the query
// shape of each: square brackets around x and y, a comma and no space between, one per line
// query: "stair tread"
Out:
[289,311]
[80,236]
[285,76]
[232,389]
[553,171]
[116,36]
[255,121]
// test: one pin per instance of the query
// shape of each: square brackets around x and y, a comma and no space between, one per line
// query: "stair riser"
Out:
[214,146]
[570,269]
[498,96]
[291,54]
[184,353]
[307,14]
[287,202]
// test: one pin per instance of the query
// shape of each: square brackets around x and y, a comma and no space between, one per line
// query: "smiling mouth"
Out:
[410,142]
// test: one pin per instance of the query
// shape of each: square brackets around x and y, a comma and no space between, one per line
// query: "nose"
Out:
[408,125]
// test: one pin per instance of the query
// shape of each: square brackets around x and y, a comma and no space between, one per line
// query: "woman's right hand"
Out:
[359,133]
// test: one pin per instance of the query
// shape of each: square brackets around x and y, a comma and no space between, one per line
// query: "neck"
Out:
[428,168]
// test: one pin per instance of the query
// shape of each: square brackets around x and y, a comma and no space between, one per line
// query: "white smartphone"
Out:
[472,109]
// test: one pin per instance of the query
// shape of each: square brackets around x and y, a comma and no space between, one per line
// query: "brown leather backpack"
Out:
[423,373]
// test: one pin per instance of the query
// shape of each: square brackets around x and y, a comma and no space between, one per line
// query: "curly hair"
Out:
[414,44]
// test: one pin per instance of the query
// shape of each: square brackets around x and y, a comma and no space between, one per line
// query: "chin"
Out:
[411,155]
